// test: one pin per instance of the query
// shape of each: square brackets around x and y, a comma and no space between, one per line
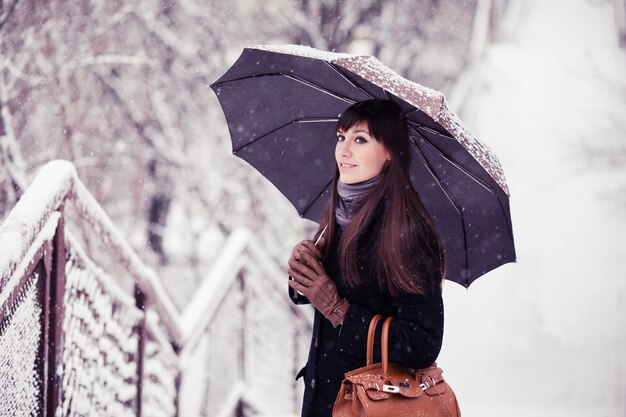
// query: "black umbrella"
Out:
[282,103]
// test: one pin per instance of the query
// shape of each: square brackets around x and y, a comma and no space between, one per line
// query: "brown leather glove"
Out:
[312,281]
[311,247]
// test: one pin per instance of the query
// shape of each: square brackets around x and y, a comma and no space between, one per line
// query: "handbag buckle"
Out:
[391,389]
[425,385]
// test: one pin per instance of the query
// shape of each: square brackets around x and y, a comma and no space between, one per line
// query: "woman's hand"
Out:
[296,256]
[308,245]
[312,281]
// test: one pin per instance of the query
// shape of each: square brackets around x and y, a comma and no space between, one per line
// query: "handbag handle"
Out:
[385,341]
[385,344]
[370,338]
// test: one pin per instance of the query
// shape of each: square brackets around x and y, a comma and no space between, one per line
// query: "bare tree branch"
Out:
[140,128]
[9,149]
[5,14]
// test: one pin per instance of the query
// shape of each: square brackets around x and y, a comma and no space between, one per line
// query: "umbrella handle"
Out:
[320,236]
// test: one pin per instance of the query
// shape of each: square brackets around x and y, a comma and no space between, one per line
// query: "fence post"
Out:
[177,385]
[140,302]
[55,291]
[241,282]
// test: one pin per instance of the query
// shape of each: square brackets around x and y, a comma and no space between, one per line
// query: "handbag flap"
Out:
[400,381]
[377,386]
[431,379]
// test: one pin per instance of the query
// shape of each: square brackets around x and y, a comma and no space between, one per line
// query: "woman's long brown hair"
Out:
[409,253]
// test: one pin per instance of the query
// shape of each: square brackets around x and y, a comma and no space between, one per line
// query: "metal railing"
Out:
[74,341]
[248,370]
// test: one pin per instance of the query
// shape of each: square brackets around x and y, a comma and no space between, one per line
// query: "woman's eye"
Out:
[340,138]
[360,140]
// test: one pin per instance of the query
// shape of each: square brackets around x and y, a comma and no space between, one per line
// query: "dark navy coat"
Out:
[415,334]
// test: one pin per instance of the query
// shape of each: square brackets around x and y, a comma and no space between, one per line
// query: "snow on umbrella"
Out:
[282,103]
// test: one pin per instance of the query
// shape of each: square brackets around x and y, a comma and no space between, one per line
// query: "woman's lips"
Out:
[346,166]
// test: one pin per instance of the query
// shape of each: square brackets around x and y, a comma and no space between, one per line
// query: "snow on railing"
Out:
[79,343]
[73,341]
[23,224]
[57,182]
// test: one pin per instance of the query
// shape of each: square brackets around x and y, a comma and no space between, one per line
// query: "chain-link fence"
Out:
[74,342]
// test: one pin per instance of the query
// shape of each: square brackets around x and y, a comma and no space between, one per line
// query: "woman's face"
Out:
[359,156]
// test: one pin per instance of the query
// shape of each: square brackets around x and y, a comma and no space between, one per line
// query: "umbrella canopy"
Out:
[282,103]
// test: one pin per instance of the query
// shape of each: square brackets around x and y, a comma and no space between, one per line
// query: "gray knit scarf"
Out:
[349,198]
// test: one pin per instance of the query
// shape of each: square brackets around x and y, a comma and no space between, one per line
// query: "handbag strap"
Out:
[370,338]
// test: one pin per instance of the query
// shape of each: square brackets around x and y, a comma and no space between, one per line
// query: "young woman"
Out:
[383,256]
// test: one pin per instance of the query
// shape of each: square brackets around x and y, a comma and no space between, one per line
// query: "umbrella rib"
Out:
[416,125]
[508,223]
[313,200]
[469,174]
[432,173]
[301,120]
[454,203]
[454,164]
[295,78]
[349,81]
[320,88]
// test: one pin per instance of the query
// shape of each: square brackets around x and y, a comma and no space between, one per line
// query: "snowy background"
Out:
[547,336]
[121,90]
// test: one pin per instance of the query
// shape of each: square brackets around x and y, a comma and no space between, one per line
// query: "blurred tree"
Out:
[423,40]
[121,89]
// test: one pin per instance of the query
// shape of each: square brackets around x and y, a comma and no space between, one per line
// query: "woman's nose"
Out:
[344,149]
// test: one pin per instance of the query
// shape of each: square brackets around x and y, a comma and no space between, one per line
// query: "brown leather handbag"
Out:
[387,389]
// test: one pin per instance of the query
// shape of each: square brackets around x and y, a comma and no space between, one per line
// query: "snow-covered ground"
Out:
[547,336]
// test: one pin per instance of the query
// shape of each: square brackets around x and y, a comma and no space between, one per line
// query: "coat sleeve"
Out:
[415,334]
